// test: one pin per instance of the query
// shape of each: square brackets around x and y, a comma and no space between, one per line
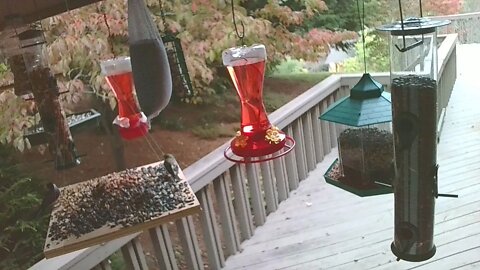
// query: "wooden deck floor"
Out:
[322,227]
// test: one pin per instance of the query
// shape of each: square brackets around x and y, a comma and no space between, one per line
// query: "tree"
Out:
[78,41]
[470,6]
[376,51]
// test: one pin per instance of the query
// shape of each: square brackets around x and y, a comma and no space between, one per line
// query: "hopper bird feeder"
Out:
[258,140]
[365,147]
[131,121]
[413,59]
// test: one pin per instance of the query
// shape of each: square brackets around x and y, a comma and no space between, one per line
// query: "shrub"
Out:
[22,234]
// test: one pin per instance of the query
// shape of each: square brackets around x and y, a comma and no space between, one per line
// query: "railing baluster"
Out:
[270,196]
[227,215]
[285,175]
[309,145]
[333,133]
[255,194]
[130,258]
[279,173]
[317,134]
[242,204]
[137,246]
[327,147]
[291,165]
[188,238]
[300,149]
[105,265]
[162,246]
[210,229]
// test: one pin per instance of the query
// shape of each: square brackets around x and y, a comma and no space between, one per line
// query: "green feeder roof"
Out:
[367,104]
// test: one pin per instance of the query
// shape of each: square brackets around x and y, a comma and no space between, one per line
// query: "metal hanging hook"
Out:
[417,42]
[242,35]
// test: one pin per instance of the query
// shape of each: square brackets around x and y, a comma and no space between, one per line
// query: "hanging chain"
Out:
[163,17]
[361,17]
[241,36]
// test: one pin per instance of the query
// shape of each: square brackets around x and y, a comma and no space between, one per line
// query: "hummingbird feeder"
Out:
[413,60]
[258,140]
[131,120]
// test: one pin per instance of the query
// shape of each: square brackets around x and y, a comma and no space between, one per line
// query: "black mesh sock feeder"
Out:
[414,68]
[365,147]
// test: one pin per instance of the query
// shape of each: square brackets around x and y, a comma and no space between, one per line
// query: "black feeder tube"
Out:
[414,130]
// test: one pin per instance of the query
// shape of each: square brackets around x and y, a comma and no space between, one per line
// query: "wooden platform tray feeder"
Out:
[365,146]
[118,204]
[76,122]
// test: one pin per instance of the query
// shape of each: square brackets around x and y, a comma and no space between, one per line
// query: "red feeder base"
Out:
[257,154]
[131,133]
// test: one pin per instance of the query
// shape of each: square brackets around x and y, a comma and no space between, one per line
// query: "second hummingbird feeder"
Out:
[258,140]
[132,122]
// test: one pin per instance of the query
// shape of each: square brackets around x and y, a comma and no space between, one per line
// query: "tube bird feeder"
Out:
[413,58]
[258,140]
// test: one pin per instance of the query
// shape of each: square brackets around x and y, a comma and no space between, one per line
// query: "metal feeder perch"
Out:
[414,68]
[365,148]
[258,140]
[131,120]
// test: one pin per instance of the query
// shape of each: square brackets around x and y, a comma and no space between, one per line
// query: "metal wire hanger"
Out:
[417,42]
[241,35]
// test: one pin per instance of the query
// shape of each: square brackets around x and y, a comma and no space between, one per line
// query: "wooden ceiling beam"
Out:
[29,11]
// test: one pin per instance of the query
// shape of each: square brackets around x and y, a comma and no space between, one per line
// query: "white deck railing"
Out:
[236,198]
[465,25]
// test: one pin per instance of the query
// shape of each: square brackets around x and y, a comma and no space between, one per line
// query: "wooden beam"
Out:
[29,11]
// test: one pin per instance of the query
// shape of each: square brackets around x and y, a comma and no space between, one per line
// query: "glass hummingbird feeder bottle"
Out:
[365,146]
[131,121]
[414,69]
[258,140]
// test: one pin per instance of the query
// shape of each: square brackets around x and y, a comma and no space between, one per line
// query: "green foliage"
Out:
[313,78]
[117,262]
[289,66]
[376,51]
[22,235]
[175,125]
[274,101]
[3,68]
[212,131]
[470,6]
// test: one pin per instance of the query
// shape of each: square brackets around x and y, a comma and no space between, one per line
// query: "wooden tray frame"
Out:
[106,233]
